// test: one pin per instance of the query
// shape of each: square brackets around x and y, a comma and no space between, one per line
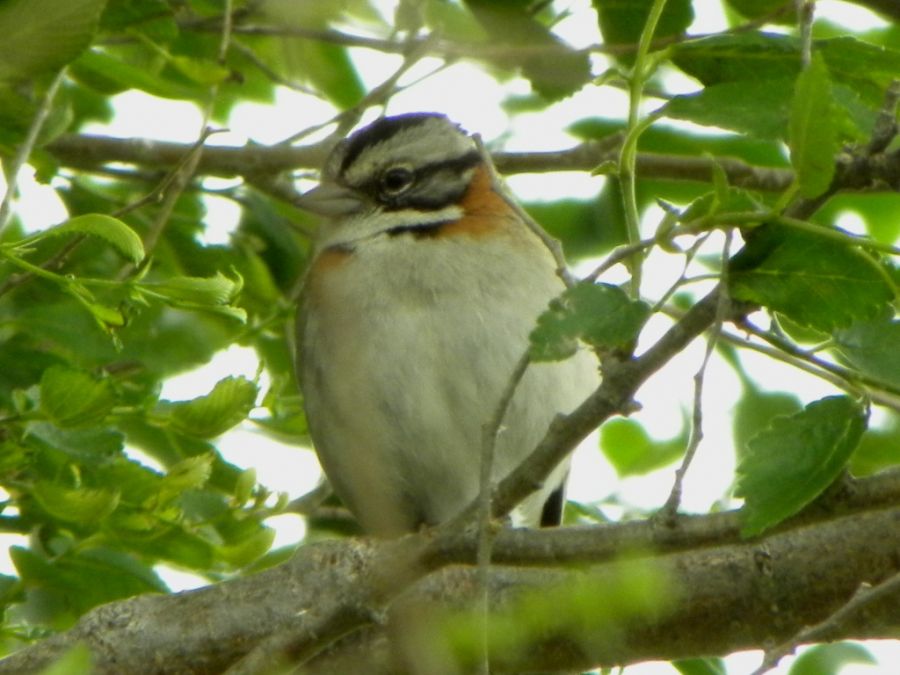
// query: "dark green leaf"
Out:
[757,107]
[813,130]
[600,314]
[631,450]
[757,9]
[789,464]
[830,659]
[584,226]
[43,35]
[72,398]
[622,21]
[815,281]
[226,405]
[739,57]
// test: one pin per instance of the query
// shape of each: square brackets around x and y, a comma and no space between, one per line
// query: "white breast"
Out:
[399,374]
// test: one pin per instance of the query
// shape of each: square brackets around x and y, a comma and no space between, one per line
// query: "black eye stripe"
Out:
[456,164]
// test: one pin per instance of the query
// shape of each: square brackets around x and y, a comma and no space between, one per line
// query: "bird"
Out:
[423,285]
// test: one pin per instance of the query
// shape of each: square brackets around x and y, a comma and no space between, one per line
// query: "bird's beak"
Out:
[331,200]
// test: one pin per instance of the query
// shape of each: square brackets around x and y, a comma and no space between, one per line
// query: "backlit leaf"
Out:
[813,130]
[599,314]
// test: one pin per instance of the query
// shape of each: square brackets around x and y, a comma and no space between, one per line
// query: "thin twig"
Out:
[670,508]
[490,431]
[831,626]
[24,151]
[852,379]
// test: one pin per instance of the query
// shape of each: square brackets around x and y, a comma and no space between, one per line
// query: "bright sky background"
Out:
[473,99]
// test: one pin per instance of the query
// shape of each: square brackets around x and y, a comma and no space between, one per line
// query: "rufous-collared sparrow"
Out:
[417,305]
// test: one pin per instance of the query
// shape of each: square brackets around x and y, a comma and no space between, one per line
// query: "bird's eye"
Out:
[395,180]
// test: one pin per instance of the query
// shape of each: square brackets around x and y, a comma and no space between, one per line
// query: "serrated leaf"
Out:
[110,229]
[82,506]
[72,398]
[790,463]
[813,130]
[40,36]
[188,474]
[600,314]
[631,450]
[815,281]
[228,404]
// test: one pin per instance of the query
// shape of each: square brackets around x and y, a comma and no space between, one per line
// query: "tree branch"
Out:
[85,151]
[794,577]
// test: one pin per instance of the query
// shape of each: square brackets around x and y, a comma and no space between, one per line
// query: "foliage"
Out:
[109,481]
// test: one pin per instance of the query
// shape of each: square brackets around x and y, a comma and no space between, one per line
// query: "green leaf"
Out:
[879,449]
[727,200]
[82,506]
[189,474]
[228,404]
[248,549]
[554,73]
[812,130]
[789,464]
[756,409]
[757,107]
[708,666]
[815,281]
[202,71]
[101,66]
[41,36]
[600,314]
[739,57]
[72,398]
[214,294]
[621,22]
[110,229]
[85,579]
[874,348]
[829,659]
[631,450]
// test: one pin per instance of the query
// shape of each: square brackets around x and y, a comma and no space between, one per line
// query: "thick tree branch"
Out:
[85,151]
[776,585]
